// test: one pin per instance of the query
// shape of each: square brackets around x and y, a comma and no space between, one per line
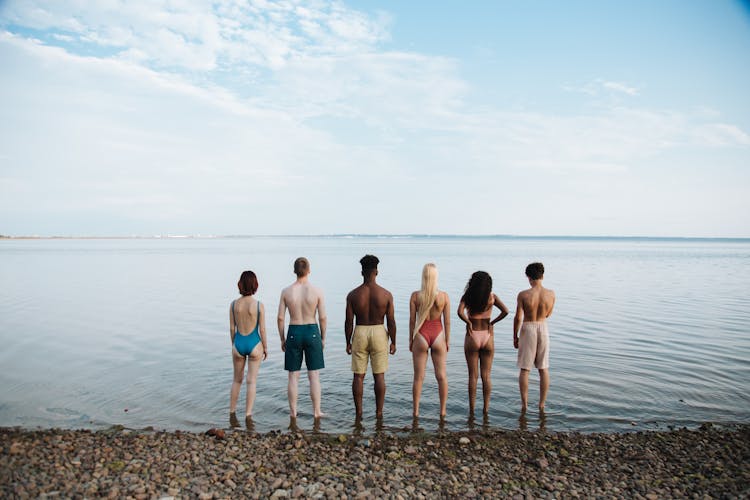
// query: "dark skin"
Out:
[370,304]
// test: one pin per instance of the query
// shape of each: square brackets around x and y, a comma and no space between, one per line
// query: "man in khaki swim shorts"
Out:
[533,308]
[369,303]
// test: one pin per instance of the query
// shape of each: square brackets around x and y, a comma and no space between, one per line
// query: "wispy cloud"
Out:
[600,86]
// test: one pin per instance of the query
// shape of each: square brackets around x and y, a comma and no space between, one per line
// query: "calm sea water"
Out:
[646,333]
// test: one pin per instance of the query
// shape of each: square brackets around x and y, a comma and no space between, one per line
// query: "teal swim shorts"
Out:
[303,341]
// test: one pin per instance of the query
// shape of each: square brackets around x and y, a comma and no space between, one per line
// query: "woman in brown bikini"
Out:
[475,309]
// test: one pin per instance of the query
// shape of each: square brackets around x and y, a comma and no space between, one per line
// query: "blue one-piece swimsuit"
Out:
[246,343]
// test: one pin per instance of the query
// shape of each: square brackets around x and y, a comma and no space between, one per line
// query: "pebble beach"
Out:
[708,462]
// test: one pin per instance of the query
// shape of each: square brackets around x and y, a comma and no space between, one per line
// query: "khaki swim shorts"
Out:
[533,345]
[369,341]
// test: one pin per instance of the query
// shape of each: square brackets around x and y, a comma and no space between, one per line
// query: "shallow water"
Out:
[646,333]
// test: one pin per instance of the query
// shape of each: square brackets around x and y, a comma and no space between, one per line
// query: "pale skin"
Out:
[534,304]
[439,349]
[304,302]
[369,303]
[478,358]
[246,311]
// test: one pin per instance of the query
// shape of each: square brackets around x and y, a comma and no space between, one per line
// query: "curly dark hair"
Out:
[477,292]
[535,270]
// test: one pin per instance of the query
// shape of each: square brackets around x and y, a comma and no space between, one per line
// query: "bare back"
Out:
[370,303]
[537,303]
[302,300]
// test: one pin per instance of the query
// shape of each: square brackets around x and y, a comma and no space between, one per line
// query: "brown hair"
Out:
[248,283]
[301,266]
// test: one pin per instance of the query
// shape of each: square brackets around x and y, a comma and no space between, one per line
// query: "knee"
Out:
[441,378]
[250,379]
[238,378]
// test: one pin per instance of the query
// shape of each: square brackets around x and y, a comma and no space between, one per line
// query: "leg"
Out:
[253,366]
[523,386]
[419,359]
[543,387]
[314,377]
[291,392]
[239,371]
[439,356]
[472,360]
[358,383]
[485,360]
[379,393]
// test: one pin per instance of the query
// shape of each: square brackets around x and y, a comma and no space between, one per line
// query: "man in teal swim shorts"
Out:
[305,339]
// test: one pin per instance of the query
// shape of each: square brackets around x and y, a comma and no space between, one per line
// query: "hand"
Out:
[348,349]
[393,348]
[265,354]
[283,346]
[469,329]
[515,342]
[447,346]
[323,343]
[411,344]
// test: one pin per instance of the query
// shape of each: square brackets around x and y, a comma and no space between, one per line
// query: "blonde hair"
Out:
[427,294]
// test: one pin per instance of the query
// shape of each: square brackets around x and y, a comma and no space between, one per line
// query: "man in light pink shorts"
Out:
[530,335]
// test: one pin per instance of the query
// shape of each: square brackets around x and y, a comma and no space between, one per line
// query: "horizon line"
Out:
[361,235]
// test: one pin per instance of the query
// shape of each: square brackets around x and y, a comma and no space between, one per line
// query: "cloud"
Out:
[600,86]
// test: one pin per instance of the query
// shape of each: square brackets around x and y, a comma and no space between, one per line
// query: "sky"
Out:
[181,117]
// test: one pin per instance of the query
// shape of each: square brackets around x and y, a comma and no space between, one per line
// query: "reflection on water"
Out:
[646,333]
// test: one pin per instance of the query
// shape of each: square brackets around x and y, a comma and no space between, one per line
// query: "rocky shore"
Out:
[119,463]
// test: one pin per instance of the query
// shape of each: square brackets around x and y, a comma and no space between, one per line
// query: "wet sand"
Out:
[119,463]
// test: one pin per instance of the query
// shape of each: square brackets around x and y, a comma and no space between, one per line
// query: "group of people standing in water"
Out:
[370,331]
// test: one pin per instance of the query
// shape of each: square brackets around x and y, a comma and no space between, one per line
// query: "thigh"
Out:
[314,352]
[238,362]
[439,353]
[359,352]
[293,353]
[419,353]
[379,351]
[527,343]
[541,360]
[471,352]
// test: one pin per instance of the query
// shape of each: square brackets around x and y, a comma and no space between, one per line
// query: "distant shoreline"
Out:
[389,236]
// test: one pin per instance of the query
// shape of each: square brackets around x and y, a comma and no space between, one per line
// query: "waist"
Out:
[308,327]
[370,328]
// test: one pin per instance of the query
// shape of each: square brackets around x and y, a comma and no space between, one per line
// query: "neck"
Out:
[369,279]
[302,279]
[535,283]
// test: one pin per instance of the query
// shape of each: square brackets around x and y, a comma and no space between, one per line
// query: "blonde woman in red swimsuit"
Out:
[475,309]
[427,332]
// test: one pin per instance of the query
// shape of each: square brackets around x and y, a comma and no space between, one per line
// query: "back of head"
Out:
[369,264]
[477,292]
[535,271]
[248,283]
[301,267]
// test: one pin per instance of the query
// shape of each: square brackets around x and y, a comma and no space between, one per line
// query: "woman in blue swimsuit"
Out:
[246,314]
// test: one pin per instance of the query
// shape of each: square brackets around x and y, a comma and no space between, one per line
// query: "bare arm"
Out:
[349,325]
[322,318]
[462,314]
[503,310]
[262,323]
[412,318]
[549,313]
[232,326]
[391,320]
[517,321]
[447,321]
[280,321]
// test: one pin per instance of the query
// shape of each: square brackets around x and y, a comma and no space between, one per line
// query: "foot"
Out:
[541,407]
[233,422]
[320,414]
[523,408]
